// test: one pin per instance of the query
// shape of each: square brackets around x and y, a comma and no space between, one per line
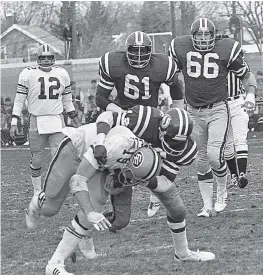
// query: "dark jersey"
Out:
[205,73]
[144,122]
[135,86]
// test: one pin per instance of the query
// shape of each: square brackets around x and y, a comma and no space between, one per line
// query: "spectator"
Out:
[92,110]
[6,113]
[93,89]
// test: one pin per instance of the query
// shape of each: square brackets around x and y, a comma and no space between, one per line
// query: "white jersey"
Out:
[48,93]
[81,137]
[120,143]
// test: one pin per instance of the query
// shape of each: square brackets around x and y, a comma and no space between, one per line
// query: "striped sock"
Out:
[72,236]
[179,237]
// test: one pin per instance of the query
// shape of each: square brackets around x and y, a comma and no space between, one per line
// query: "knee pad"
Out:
[173,203]
[121,204]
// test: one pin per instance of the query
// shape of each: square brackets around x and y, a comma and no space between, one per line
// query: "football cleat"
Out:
[87,248]
[153,208]
[242,180]
[233,182]
[56,269]
[221,202]
[196,256]
[32,213]
[207,213]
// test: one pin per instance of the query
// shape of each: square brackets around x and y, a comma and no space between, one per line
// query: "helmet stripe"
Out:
[136,37]
[47,48]
[181,122]
[186,123]
[155,166]
[205,22]
[201,23]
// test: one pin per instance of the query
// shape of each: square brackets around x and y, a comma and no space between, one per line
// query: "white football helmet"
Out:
[46,56]
[142,166]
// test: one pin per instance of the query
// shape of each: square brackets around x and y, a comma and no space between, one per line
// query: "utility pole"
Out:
[172,18]
[74,30]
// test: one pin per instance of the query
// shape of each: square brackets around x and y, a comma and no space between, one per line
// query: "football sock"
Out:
[206,183]
[232,166]
[70,240]
[36,182]
[221,185]
[242,161]
[179,237]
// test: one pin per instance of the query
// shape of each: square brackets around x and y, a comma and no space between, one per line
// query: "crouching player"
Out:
[141,167]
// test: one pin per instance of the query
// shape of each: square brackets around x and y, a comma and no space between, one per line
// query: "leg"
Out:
[54,141]
[37,144]
[167,193]
[56,184]
[204,172]
[240,129]
[217,135]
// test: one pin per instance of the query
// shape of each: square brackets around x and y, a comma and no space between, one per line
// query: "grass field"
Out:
[145,246]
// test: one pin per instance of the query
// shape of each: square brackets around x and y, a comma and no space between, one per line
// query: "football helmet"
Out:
[143,165]
[138,49]
[203,34]
[45,56]
[175,129]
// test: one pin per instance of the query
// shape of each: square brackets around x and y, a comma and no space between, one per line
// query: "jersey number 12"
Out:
[51,94]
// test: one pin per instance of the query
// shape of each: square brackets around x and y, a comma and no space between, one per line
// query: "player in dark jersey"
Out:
[170,133]
[136,74]
[205,63]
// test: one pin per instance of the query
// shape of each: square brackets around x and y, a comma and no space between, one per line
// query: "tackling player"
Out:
[205,63]
[144,168]
[47,89]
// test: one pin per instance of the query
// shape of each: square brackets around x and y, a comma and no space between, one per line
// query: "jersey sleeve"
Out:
[106,81]
[172,53]
[172,70]
[236,62]
[67,95]
[22,92]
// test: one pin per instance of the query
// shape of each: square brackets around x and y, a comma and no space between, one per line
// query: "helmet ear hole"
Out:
[143,165]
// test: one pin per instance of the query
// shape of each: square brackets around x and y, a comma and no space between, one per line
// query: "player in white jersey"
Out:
[48,92]
[236,151]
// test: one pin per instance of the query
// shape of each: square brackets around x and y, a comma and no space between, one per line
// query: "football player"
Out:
[137,75]
[144,168]
[47,89]
[236,151]
[205,63]
[170,131]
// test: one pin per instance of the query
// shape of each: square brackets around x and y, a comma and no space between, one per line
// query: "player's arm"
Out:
[79,187]
[239,66]
[105,87]
[21,95]
[67,101]
[175,84]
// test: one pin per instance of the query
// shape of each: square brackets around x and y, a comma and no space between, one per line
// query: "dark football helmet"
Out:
[45,56]
[203,34]
[138,49]
[175,130]
[143,165]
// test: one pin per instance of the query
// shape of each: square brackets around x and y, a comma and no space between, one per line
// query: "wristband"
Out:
[250,97]
[99,139]
[14,121]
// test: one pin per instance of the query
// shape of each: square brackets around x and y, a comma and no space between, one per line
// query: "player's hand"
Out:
[249,107]
[100,154]
[98,220]
[13,131]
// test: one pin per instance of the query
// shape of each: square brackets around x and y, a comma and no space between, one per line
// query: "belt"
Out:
[209,106]
[233,97]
